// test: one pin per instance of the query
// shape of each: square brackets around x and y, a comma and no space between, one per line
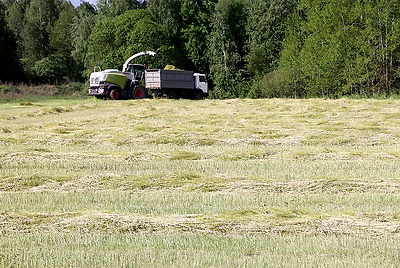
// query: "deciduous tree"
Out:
[266,26]
[59,65]
[227,48]
[82,26]
[196,17]
[40,17]
[113,40]
[112,8]
[336,48]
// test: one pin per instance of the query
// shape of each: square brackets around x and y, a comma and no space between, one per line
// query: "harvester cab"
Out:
[137,71]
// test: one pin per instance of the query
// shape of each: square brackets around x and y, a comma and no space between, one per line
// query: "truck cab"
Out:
[201,82]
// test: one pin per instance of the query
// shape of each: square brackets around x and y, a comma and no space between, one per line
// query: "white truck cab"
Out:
[201,82]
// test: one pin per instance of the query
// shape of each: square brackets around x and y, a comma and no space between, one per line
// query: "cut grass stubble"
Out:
[210,172]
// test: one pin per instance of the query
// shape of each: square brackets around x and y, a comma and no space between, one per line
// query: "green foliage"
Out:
[167,13]
[226,50]
[113,40]
[107,8]
[74,88]
[259,48]
[9,89]
[61,45]
[342,47]
[266,26]
[8,50]
[149,35]
[40,17]
[100,46]
[196,28]
[177,16]
[16,22]
[46,67]
[269,86]
[82,26]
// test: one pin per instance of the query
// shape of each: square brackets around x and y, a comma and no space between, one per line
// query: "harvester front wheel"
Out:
[138,93]
[114,94]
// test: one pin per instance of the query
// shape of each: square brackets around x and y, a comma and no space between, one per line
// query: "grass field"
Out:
[212,183]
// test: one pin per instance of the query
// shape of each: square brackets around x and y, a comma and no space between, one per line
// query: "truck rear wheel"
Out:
[114,94]
[138,93]
[172,94]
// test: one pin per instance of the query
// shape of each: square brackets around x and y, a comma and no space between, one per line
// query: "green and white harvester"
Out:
[115,84]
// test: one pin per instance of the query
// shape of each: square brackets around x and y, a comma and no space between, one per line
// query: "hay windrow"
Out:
[320,178]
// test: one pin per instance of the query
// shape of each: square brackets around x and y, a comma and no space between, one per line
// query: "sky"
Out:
[93,2]
[78,2]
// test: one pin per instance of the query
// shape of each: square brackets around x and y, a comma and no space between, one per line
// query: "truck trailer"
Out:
[175,84]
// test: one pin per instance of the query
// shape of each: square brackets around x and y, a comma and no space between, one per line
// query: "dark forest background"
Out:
[248,48]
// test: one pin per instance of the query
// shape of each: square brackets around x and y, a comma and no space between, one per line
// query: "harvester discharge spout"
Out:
[125,66]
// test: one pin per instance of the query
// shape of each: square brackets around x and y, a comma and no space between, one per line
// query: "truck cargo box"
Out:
[169,79]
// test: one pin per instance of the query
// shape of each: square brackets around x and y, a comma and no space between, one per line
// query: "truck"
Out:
[115,84]
[175,84]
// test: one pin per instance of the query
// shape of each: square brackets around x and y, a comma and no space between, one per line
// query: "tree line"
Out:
[248,48]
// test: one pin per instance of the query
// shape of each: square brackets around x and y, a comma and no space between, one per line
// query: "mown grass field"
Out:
[213,183]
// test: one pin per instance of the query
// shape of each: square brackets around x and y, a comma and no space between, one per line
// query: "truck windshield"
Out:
[202,78]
